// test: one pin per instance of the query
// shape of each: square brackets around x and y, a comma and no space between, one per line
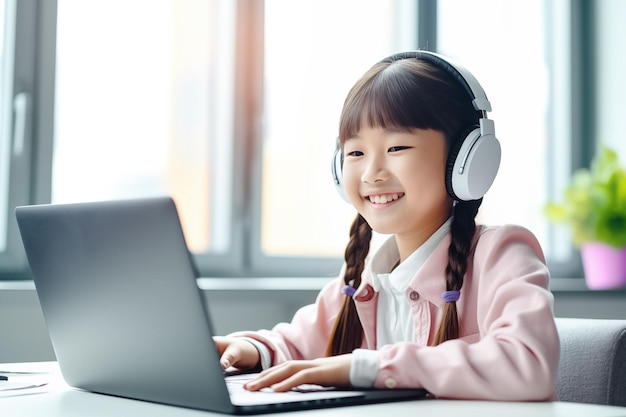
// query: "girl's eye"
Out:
[398,148]
[355,153]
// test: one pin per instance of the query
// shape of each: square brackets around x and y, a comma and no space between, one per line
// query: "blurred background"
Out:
[232,108]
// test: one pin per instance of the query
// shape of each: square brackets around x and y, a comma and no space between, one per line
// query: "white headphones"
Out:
[474,160]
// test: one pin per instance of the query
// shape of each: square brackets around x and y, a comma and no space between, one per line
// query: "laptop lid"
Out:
[118,291]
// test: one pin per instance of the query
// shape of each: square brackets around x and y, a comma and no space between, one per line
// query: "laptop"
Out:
[117,287]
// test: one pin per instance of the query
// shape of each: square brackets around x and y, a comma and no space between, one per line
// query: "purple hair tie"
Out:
[348,290]
[450,296]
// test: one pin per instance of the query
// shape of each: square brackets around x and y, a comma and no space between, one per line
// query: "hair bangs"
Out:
[405,95]
[386,98]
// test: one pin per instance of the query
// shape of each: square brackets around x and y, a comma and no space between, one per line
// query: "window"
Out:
[158,107]
[301,219]
[232,107]
[523,65]
[25,105]
[145,109]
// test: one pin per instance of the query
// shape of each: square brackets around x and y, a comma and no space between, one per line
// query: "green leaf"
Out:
[594,202]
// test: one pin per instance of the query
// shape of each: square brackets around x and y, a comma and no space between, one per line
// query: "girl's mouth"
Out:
[384,198]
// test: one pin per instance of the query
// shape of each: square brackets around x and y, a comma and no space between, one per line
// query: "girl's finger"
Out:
[276,376]
[230,357]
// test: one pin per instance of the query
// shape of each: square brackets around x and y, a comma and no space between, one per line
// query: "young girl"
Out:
[461,310]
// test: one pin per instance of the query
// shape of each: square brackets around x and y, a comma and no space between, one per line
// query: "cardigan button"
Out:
[414,295]
[390,383]
[366,294]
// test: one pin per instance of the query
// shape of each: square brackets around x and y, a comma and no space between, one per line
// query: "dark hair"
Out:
[406,94]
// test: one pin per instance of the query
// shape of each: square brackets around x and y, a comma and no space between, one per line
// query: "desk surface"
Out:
[56,399]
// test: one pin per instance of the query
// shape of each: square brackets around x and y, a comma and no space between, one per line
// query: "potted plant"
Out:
[594,208]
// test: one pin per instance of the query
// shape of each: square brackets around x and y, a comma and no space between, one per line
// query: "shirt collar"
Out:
[387,256]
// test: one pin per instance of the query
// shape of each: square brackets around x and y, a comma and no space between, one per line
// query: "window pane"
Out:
[143,107]
[315,50]
[506,46]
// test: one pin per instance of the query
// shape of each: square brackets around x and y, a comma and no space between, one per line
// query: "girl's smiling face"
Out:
[396,181]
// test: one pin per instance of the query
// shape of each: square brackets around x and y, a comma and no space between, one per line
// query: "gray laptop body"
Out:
[118,291]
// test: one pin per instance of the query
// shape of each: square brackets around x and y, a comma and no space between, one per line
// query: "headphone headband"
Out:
[460,73]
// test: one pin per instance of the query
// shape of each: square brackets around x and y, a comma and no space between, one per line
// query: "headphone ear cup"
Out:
[452,156]
[336,169]
[472,165]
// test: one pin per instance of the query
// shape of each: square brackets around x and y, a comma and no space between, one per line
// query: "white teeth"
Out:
[382,199]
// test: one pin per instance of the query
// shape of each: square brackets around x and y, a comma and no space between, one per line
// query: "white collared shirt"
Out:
[394,321]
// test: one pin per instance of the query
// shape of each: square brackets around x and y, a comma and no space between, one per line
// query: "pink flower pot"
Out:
[604,265]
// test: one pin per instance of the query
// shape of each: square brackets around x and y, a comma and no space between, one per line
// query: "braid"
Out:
[462,231]
[347,333]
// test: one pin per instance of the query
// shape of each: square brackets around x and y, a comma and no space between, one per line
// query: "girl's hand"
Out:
[236,352]
[330,371]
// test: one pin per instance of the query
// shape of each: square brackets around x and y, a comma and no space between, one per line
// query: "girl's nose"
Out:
[375,171]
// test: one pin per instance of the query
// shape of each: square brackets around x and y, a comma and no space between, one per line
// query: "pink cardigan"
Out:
[508,347]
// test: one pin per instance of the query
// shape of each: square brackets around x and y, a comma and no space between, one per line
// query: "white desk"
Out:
[59,400]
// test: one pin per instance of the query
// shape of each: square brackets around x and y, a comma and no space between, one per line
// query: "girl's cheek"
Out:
[351,186]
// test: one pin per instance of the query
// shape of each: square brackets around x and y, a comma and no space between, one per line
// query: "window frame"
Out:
[578,64]
[580,59]
[231,262]
[31,107]
[581,147]
[260,264]
[249,137]
[34,72]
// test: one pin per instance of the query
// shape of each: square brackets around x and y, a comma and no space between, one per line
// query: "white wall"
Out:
[24,338]
[23,333]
